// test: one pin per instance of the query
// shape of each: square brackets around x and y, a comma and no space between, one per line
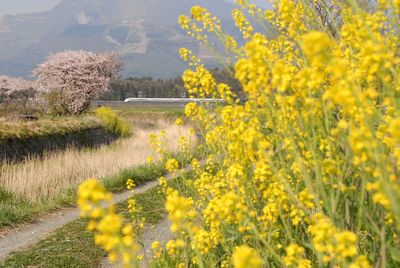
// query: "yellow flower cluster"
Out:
[242,23]
[199,83]
[116,238]
[158,143]
[305,171]
[200,22]
[172,165]
[180,211]
[295,257]
[331,243]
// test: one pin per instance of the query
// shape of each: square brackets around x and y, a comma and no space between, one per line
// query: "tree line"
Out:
[148,87]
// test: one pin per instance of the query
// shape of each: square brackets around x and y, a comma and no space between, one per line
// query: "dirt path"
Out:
[29,234]
[160,232]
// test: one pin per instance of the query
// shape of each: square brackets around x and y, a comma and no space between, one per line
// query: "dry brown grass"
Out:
[44,178]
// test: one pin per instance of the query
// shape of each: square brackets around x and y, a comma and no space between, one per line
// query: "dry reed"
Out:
[37,178]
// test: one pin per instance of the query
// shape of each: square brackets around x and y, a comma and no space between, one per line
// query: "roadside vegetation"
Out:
[113,123]
[56,105]
[305,172]
[15,210]
[73,246]
[42,184]
[44,177]
[113,119]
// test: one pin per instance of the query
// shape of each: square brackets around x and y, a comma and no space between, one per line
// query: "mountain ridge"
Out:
[145,33]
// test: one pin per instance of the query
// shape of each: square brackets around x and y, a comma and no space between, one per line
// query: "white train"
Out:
[173,100]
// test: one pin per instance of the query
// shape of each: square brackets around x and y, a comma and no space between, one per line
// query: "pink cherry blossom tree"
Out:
[77,77]
[16,89]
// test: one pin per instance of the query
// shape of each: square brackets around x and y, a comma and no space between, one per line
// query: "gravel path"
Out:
[29,234]
[159,232]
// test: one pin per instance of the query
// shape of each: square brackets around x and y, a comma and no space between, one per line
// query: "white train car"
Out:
[172,100]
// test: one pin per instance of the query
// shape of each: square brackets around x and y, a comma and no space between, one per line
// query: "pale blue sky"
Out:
[25,6]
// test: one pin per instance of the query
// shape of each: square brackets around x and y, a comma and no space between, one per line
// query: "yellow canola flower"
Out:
[172,165]
[180,211]
[302,157]
[246,257]
[179,121]
[242,23]
[330,242]
[90,194]
[346,244]
[316,47]
[361,262]
[295,257]
[197,12]
[191,109]
[184,53]
[202,241]
[130,184]
[173,246]
[150,160]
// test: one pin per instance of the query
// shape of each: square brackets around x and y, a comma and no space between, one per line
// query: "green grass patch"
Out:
[140,174]
[173,111]
[152,204]
[69,246]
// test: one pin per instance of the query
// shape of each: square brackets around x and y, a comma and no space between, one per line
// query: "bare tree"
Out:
[328,12]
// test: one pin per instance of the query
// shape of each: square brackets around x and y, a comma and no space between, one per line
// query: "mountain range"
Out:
[144,32]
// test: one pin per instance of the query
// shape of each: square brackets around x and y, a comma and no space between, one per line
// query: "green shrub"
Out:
[113,122]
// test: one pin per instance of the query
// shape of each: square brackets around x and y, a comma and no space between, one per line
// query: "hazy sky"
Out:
[25,6]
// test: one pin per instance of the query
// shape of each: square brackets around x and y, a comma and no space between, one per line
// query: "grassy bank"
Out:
[14,210]
[34,186]
[60,125]
[46,126]
[44,178]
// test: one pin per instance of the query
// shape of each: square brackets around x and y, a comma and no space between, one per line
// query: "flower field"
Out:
[305,172]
